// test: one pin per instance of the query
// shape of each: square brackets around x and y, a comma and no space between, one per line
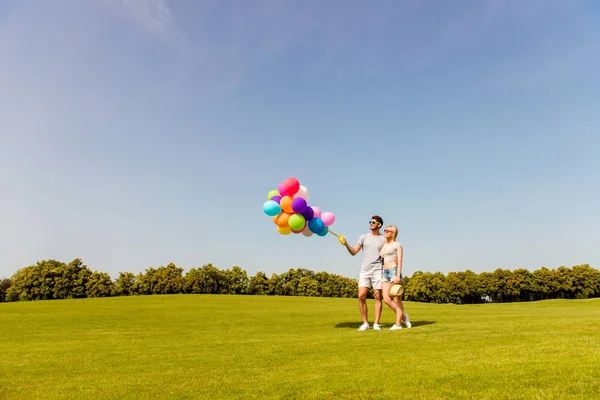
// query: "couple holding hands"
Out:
[381,268]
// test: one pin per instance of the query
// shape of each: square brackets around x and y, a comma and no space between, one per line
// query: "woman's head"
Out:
[390,232]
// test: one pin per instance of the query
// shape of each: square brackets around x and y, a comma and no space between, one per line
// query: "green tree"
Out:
[418,288]
[564,282]
[4,285]
[291,280]
[487,287]
[206,280]
[163,280]
[276,285]
[437,288]
[169,280]
[585,281]
[454,287]
[125,284]
[333,285]
[328,284]
[502,277]
[237,279]
[259,284]
[50,279]
[308,286]
[100,285]
[74,280]
[471,280]
[544,284]
[520,285]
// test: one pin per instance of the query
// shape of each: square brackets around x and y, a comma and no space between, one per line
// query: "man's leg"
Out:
[378,305]
[364,282]
[377,284]
[362,304]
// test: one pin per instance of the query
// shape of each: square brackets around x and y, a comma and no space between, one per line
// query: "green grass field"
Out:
[211,346]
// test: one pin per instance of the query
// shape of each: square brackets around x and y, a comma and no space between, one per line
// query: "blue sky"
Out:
[134,133]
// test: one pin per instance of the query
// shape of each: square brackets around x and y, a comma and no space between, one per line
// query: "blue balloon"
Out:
[316,225]
[324,232]
[271,208]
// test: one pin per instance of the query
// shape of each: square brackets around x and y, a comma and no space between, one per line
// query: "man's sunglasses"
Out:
[371,222]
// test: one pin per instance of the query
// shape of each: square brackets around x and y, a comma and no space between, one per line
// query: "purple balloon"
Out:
[308,213]
[276,199]
[299,205]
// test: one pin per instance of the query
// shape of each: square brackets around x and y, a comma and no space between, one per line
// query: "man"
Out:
[371,270]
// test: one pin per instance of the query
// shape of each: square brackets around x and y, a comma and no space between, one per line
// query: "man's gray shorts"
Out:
[371,278]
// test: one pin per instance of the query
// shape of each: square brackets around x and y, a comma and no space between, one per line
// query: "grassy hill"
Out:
[212,346]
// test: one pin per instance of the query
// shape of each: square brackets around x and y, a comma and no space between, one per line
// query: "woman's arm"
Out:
[399,255]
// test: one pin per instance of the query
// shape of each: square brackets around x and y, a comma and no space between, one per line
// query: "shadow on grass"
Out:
[356,324]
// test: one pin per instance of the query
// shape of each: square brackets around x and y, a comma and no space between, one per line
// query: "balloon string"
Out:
[333,233]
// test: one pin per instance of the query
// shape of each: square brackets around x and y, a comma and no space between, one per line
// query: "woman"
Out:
[391,252]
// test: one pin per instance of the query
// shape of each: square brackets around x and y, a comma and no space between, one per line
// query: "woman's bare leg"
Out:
[385,288]
[399,311]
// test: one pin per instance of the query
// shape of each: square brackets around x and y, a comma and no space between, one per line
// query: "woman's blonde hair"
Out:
[395,230]
[393,239]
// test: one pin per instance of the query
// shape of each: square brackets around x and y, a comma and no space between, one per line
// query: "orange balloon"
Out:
[282,220]
[286,204]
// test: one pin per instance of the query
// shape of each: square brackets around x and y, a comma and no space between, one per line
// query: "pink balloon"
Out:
[317,212]
[281,189]
[328,218]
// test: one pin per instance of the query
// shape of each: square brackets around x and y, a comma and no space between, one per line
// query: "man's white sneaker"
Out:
[395,327]
[377,327]
[407,322]
[364,327]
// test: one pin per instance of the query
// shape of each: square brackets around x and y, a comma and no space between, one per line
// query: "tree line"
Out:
[52,279]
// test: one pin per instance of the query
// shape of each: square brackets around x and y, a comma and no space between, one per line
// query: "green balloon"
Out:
[272,193]
[296,222]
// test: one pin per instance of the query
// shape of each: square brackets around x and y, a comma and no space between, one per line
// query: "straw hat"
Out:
[396,290]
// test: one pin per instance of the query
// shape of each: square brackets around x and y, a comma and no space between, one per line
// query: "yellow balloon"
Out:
[284,231]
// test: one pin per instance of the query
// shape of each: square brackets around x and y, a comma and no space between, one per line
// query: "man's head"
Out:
[375,223]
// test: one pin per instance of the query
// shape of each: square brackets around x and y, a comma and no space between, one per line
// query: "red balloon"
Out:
[290,186]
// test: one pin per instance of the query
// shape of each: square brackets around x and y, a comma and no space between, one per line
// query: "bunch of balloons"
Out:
[288,206]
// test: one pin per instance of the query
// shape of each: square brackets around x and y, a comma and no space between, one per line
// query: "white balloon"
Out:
[302,192]
[306,232]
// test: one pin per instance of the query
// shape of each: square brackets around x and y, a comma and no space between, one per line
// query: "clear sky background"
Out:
[134,133]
